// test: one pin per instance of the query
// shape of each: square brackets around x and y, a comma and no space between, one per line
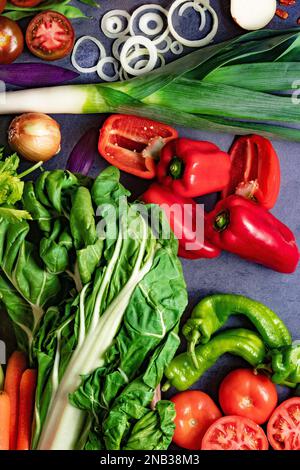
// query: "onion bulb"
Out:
[35,136]
[253,14]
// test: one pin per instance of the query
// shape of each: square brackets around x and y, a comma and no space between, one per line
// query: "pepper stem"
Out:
[30,170]
[176,168]
[222,221]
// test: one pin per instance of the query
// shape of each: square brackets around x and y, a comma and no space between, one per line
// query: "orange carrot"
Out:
[15,368]
[4,420]
[27,397]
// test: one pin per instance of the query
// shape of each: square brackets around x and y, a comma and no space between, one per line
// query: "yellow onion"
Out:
[35,136]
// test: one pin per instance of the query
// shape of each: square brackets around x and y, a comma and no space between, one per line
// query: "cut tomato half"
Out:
[255,170]
[133,144]
[234,433]
[284,426]
[26,3]
[50,36]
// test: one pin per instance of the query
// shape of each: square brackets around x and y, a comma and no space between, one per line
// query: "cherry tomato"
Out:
[246,393]
[195,412]
[255,170]
[284,426]
[2,5]
[234,433]
[50,36]
[26,3]
[11,40]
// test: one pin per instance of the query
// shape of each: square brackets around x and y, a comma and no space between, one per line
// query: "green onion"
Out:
[228,87]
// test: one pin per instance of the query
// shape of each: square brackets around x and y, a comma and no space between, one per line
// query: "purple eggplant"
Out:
[35,74]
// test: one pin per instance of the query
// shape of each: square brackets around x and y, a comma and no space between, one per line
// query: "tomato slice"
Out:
[50,36]
[26,3]
[284,426]
[195,412]
[255,170]
[11,40]
[132,144]
[234,433]
[2,5]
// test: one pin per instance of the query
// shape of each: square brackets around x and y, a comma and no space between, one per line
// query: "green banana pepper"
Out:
[286,365]
[213,312]
[182,372]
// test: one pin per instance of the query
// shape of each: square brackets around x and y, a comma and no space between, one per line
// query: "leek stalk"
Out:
[226,87]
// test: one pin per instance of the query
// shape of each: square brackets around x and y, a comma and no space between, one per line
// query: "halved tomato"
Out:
[2,5]
[195,412]
[234,433]
[50,36]
[255,170]
[284,426]
[26,3]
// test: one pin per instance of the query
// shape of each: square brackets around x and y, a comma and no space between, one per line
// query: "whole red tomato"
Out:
[2,5]
[246,393]
[195,412]
[11,40]
[26,3]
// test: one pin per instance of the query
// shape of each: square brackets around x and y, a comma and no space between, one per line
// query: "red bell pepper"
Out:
[133,144]
[250,231]
[255,170]
[183,214]
[193,168]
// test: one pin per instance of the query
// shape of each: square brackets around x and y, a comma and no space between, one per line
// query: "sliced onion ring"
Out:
[146,19]
[188,42]
[197,7]
[149,6]
[73,57]
[114,20]
[165,49]
[110,14]
[151,51]
[102,74]
[176,48]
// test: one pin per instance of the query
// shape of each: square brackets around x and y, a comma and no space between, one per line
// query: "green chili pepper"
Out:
[286,365]
[182,372]
[213,312]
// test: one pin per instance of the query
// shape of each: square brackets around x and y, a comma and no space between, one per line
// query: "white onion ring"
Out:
[104,76]
[151,51]
[114,20]
[116,46]
[165,49]
[199,8]
[110,14]
[189,42]
[73,57]
[149,6]
[145,20]
[176,48]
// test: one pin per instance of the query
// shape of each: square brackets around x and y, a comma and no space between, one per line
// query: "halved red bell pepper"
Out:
[193,168]
[182,213]
[250,231]
[255,170]
[133,144]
